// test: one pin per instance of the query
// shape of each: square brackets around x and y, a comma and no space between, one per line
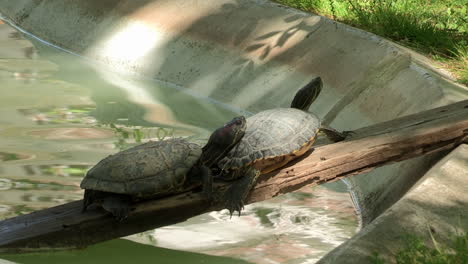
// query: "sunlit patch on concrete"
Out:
[129,46]
[132,42]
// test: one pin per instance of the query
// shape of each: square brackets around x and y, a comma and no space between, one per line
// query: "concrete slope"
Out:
[434,207]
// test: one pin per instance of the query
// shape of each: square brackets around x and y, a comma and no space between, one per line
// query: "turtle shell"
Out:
[273,138]
[152,169]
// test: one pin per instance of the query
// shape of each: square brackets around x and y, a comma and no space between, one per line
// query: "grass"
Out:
[415,251]
[437,28]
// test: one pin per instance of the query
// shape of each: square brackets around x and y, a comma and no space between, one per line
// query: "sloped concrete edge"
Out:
[436,204]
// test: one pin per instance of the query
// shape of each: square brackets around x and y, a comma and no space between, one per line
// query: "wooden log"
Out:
[65,226]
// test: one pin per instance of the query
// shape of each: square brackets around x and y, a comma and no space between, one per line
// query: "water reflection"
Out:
[70,133]
[64,170]
[5,184]
[73,114]
[4,208]
[44,171]
[133,135]
[120,252]
[26,184]
[8,156]
[55,130]
[293,228]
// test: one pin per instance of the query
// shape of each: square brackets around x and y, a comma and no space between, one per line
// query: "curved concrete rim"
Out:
[433,210]
[253,55]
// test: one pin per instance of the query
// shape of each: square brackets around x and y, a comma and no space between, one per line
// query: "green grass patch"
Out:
[415,251]
[437,28]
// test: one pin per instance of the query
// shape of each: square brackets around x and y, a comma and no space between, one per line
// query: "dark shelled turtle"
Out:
[156,169]
[272,139]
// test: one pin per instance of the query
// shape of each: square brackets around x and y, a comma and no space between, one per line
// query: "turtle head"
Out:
[306,95]
[222,140]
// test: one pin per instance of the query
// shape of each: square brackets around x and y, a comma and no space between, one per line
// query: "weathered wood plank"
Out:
[65,226]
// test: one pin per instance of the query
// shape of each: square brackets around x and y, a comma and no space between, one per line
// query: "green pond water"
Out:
[61,114]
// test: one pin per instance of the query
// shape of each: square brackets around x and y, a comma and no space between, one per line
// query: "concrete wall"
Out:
[435,208]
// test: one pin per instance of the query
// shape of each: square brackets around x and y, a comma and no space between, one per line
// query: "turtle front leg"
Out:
[236,194]
[203,173]
[93,197]
[334,135]
[207,181]
[118,205]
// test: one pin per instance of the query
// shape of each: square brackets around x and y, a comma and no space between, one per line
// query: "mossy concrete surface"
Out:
[437,204]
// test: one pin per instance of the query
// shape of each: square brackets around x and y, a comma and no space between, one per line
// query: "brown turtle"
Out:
[156,169]
[272,139]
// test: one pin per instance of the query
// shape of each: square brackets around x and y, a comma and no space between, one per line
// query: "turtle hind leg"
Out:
[236,194]
[118,205]
[334,135]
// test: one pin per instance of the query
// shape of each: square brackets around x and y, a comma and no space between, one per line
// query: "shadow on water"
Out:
[120,251]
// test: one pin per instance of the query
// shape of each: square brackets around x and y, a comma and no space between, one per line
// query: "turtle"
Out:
[156,169]
[273,138]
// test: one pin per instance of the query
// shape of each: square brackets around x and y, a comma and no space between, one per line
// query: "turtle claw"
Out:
[236,195]
[120,214]
[233,203]
[230,201]
[334,135]
[348,133]
[118,206]
[231,211]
